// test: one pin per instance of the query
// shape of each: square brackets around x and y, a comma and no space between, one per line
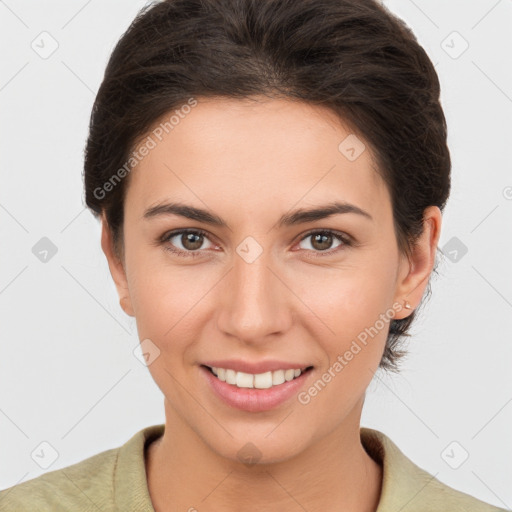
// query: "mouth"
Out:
[266,380]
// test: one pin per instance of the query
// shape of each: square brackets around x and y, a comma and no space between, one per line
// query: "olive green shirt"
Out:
[115,480]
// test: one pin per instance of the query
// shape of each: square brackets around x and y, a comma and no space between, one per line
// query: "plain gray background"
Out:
[68,374]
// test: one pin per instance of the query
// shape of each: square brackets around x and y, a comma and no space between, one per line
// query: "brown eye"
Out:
[186,242]
[322,241]
[191,241]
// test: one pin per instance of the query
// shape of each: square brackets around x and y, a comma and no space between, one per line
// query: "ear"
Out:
[414,272]
[116,267]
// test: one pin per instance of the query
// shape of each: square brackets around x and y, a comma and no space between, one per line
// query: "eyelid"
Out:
[341,234]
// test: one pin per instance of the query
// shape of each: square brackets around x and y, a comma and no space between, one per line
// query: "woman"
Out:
[270,177]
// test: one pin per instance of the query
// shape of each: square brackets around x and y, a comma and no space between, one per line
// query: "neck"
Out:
[334,473]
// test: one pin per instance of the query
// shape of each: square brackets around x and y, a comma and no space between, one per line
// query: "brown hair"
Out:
[352,56]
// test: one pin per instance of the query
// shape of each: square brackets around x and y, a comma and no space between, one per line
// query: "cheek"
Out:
[349,298]
[350,315]
[167,301]
[167,305]
[352,336]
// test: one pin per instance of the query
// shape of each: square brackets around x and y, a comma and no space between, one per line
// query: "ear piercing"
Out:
[407,305]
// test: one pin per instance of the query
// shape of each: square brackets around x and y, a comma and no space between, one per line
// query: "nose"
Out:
[254,304]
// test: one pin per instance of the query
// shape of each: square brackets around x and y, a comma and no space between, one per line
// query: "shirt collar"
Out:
[130,484]
[402,480]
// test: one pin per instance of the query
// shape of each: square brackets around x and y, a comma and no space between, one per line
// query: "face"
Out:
[264,283]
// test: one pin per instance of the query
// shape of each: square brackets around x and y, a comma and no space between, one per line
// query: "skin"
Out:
[250,162]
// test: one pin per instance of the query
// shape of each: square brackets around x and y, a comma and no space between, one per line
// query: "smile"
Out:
[259,381]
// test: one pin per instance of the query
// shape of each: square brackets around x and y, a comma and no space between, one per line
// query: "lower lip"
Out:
[252,399]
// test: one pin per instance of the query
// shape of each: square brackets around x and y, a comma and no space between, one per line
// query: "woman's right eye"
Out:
[185,242]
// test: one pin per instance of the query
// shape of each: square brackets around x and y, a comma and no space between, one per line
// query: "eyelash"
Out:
[342,237]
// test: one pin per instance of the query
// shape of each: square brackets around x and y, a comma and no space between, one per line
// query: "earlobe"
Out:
[116,267]
[411,287]
[126,305]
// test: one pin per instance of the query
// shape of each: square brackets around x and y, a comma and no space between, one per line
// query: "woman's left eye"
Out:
[321,241]
[191,241]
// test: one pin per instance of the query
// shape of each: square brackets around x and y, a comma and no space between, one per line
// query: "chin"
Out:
[259,448]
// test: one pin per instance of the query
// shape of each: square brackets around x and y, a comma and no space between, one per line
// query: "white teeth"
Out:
[231,377]
[263,380]
[244,380]
[259,381]
[277,377]
[289,374]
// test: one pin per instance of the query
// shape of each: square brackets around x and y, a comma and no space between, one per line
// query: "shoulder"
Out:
[407,486]
[86,485]
[111,480]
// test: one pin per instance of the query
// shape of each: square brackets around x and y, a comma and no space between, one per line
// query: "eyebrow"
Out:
[299,216]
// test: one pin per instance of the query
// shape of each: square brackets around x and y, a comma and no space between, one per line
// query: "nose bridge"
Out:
[254,305]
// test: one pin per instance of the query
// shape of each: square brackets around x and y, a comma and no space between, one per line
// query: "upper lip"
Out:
[269,365]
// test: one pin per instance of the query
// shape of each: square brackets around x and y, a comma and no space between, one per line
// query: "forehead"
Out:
[255,153]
